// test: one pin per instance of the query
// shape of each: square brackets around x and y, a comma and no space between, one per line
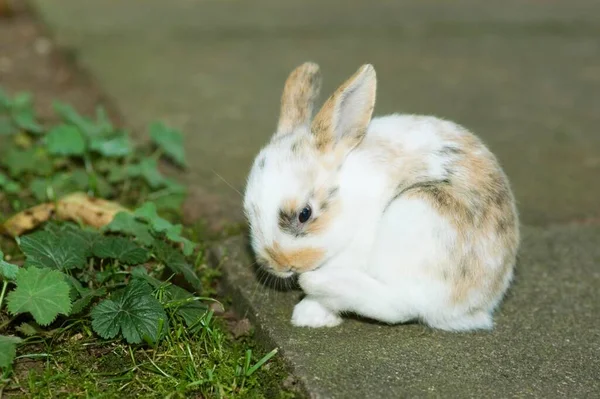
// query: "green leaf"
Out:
[115,146]
[170,141]
[175,261]
[22,99]
[6,126]
[148,213]
[28,329]
[8,271]
[125,223]
[42,292]
[39,189]
[171,197]
[8,185]
[25,119]
[147,169]
[133,311]
[34,160]
[69,115]
[103,124]
[23,114]
[65,140]
[174,234]
[87,126]
[44,249]
[122,249]
[59,185]
[84,238]
[190,310]
[86,298]
[8,350]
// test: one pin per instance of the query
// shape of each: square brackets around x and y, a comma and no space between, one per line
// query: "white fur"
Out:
[380,264]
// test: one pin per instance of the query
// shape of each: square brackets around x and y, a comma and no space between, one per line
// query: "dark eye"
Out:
[305,214]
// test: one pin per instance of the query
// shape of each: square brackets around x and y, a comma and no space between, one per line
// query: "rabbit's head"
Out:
[292,200]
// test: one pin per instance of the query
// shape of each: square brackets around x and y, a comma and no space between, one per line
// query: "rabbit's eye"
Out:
[305,214]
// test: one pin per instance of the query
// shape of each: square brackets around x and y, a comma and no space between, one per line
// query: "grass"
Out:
[206,364]
[67,358]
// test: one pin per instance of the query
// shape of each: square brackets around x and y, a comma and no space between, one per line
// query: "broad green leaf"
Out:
[65,140]
[8,185]
[174,234]
[22,99]
[189,309]
[103,124]
[33,160]
[125,223]
[171,197]
[27,329]
[6,126]
[39,188]
[59,185]
[101,187]
[169,201]
[170,141]
[174,296]
[8,271]
[86,298]
[147,169]
[44,249]
[84,238]
[115,146]
[122,249]
[69,115]
[133,311]
[8,350]
[148,213]
[87,126]
[42,292]
[175,261]
[25,119]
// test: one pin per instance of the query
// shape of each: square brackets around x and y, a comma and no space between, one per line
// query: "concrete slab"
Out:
[523,75]
[546,342]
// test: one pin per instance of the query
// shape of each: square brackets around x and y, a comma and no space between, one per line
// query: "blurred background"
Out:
[523,75]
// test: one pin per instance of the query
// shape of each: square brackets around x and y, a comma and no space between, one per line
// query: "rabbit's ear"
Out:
[346,115]
[299,95]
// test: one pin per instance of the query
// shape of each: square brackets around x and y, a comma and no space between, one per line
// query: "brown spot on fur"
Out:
[299,94]
[299,260]
[475,198]
[323,221]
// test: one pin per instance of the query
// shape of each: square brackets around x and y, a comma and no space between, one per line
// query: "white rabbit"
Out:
[395,218]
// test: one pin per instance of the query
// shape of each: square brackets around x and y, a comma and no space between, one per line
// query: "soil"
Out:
[30,62]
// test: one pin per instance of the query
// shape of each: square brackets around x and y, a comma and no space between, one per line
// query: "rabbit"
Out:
[398,218]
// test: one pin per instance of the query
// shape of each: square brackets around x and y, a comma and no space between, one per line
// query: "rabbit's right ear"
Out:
[299,95]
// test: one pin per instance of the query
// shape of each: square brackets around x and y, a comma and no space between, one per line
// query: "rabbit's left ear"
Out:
[299,95]
[346,115]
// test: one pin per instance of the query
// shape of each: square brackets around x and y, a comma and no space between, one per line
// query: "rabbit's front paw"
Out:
[310,313]
[316,284]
